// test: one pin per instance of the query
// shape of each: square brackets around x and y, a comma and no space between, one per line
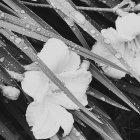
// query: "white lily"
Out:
[126,40]
[10,92]
[47,113]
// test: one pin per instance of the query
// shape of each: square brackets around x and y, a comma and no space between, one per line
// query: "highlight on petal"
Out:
[46,119]
[56,55]
[35,84]
[77,82]
[128,26]
[10,92]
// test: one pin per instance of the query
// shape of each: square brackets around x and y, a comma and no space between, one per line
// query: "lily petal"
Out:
[58,57]
[10,92]
[128,26]
[35,84]
[101,50]
[77,82]
[46,119]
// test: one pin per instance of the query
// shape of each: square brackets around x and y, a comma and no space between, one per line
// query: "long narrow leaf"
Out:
[105,81]
[95,93]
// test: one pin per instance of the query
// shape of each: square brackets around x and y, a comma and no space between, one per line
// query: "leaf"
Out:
[104,129]
[94,93]
[9,62]
[5,78]
[106,82]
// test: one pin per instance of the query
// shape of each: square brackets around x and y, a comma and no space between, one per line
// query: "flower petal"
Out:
[128,26]
[10,92]
[73,63]
[46,119]
[35,84]
[77,82]
[58,57]
[101,50]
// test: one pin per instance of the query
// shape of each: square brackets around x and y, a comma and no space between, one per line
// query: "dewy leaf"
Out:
[30,30]
[5,78]
[6,132]
[104,98]
[8,10]
[12,108]
[100,77]
[108,125]
[96,108]
[9,62]
[104,129]
[124,86]
[74,28]
[26,14]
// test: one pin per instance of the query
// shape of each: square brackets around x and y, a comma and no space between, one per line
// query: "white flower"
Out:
[126,41]
[10,92]
[47,113]
[128,27]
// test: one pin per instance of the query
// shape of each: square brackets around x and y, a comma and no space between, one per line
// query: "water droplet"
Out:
[107,41]
[77,134]
[27,26]
[25,48]
[2,14]
[38,29]
[36,63]
[93,31]
[21,56]
[18,40]
[12,37]
[73,29]
[102,98]
[22,12]
[124,86]
[118,55]
[2,59]
[85,29]
[134,103]
[78,17]
[25,17]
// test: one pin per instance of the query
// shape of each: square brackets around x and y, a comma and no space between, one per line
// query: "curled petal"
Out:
[46,119]
[128,26]
[10,92]
[35,84]
[77,82]
[58,57]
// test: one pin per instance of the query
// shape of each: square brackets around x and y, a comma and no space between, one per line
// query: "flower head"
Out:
[126,41]
[49,100]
